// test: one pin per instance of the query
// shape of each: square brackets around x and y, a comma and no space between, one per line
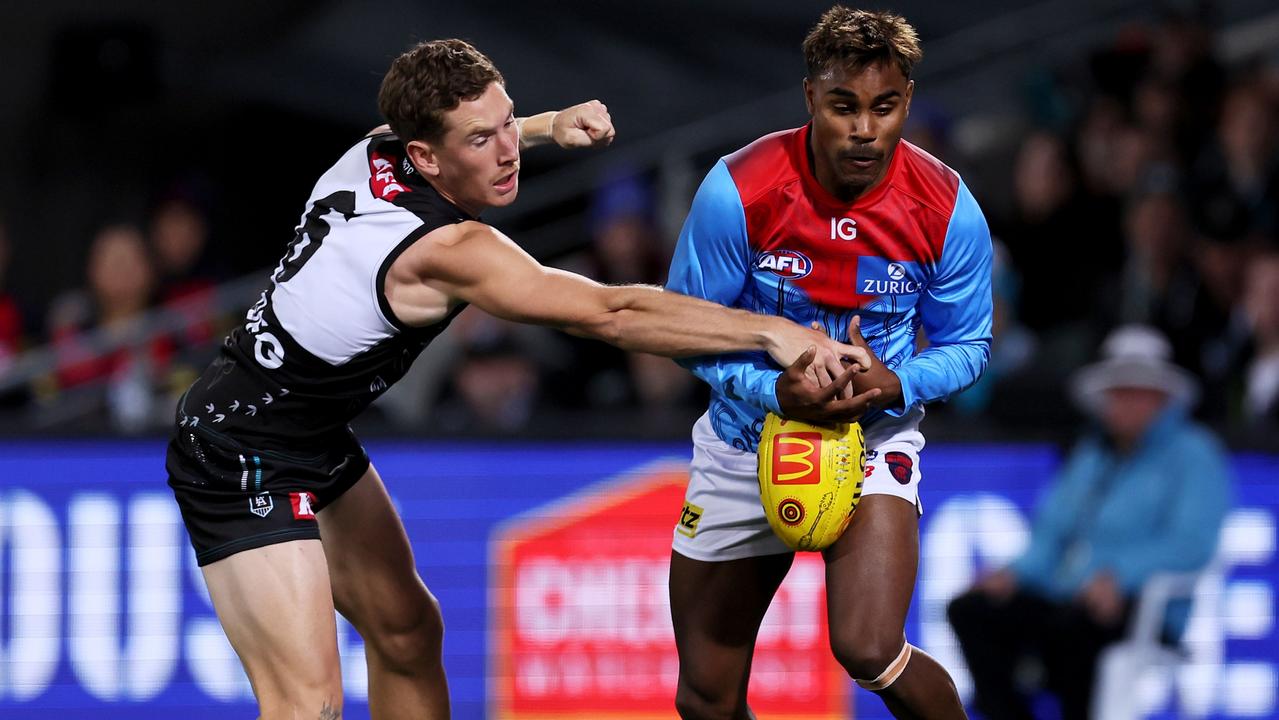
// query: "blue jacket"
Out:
[1158,509]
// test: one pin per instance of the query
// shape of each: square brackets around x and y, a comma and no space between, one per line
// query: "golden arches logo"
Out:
[802,447]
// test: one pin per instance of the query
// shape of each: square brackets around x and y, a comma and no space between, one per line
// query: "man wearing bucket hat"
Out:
[1145,492]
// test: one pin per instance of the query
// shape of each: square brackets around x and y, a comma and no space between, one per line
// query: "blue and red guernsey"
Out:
[912,253]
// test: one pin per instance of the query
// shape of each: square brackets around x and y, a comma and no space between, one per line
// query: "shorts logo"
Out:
[793,455]
[261,504]
[301,502]
[791,511]
[688,519]
[900,465]
[785,263]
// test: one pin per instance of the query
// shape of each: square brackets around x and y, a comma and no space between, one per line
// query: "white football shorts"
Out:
[722,518]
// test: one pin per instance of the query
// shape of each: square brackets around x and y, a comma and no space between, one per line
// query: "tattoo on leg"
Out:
[328,713]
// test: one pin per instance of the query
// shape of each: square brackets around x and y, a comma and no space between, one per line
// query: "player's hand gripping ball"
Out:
[810,480]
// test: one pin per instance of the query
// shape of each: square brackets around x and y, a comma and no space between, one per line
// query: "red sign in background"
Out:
[581,622]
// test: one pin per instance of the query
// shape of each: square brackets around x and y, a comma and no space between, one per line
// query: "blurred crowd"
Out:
[109,363]
[1145,191]
[1143,188]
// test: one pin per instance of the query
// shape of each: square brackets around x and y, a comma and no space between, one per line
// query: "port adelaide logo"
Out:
[787,264]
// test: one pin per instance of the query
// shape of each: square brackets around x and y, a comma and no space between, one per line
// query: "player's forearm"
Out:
[941,371]
[536,129]
[648,319]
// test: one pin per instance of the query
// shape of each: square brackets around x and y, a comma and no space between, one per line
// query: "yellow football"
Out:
[810,479]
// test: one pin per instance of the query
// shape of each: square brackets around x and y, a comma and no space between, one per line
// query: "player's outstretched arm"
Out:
[477,264]
[584,125]
[587,124]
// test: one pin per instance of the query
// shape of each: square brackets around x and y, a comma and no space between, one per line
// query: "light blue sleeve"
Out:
[956,311]
[1055,515]
[1187,538]
[712,261]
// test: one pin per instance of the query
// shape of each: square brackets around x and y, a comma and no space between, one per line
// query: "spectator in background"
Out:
[1160,284]
[1013,345]
[626,247]
[1157,109]
[1166,78]
[95,332]
[1146,493]
[1235,191]
[1097,142]
[179,235]
[495,382]
[186,282]
[498,388]
[186,272]
[1234,204]
[1052,215]
[929,127]
[1181,60]
[11,331]
[10,317]
[1119,155]
[1261,308]
[1235,200]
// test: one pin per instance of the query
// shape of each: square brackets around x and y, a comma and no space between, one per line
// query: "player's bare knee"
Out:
[866,656]
[693,703]
[410,640]
[296,677]
[880,676]
[320,707]
[306,692]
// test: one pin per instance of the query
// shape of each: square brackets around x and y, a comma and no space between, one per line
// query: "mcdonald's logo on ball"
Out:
[810,480]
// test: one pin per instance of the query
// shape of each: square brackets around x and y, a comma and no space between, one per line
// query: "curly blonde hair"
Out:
[853,39]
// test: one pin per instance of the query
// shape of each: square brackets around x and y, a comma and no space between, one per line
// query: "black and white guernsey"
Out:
[322,343]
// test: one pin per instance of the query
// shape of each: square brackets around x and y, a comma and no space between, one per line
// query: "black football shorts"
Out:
[235,498]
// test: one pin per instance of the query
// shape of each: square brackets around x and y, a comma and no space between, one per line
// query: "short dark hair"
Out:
[854,39]
[430,79]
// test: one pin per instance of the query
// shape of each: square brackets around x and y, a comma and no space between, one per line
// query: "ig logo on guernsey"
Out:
[787,264]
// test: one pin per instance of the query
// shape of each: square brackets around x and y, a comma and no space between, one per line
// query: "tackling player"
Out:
[835,223]
[288,518]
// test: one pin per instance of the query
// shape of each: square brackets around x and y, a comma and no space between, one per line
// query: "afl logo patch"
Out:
[785,263]
[900,465]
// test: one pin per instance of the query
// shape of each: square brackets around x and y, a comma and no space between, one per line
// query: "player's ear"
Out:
[910,90]
[423,157]
[809,101]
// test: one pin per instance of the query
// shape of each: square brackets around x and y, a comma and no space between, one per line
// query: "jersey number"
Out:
[267,348]
[311,233]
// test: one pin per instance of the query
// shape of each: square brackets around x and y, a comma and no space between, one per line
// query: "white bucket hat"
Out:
[1134,356]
